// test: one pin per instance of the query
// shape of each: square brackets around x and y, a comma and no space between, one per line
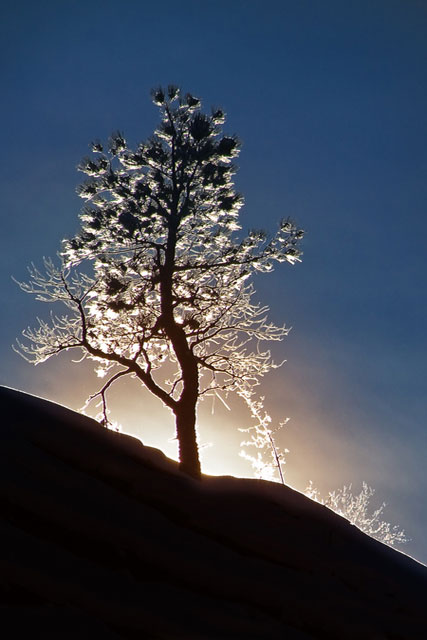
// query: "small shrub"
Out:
[356,509]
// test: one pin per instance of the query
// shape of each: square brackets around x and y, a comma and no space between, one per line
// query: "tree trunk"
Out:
[189,462]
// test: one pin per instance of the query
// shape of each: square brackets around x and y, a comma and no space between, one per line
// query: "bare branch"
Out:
[102,393]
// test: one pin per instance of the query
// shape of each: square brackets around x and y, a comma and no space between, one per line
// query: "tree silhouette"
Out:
[163,281]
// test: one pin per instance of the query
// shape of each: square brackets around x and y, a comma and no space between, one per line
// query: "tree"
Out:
[163,280]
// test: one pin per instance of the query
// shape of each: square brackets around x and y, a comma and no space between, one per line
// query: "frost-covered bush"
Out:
[357,509]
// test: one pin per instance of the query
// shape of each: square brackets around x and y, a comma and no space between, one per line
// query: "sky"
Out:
[329,100]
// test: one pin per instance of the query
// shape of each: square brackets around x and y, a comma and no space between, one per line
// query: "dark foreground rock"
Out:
[102,537]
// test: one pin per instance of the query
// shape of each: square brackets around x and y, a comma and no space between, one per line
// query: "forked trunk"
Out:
[189,462]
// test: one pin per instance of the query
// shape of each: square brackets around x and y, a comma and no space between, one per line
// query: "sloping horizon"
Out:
[102,535]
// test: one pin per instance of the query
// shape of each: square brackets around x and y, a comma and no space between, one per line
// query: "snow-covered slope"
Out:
[102,537]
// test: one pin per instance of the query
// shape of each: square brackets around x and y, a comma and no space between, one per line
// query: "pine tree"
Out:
[156,275]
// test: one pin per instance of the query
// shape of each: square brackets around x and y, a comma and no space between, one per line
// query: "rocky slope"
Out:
[102,537]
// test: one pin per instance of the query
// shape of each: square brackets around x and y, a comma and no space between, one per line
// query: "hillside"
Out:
[102,537]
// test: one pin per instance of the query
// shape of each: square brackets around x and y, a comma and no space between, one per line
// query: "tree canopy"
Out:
[157,282]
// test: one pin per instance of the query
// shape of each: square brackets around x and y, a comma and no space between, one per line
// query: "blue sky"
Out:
[329,99]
